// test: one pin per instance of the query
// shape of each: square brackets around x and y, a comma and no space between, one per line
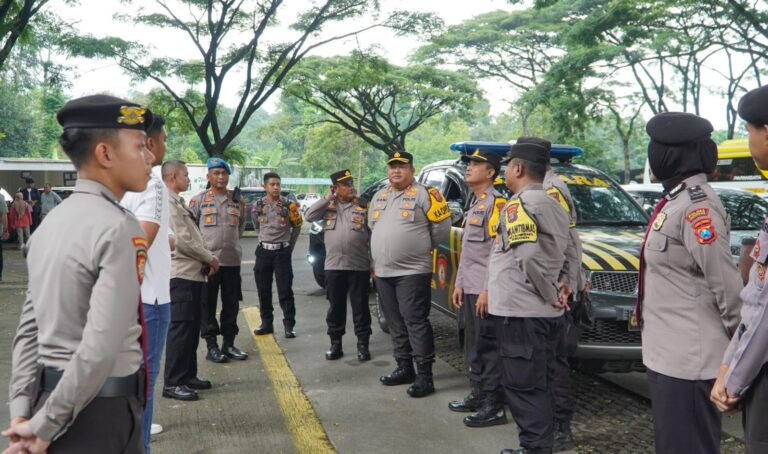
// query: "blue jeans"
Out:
[156,318]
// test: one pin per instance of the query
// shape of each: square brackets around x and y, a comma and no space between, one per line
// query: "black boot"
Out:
[564,440]
[363,354]
[490,414]
[402,375]
[335,352]
[472,402]
[214,354]
[423,386]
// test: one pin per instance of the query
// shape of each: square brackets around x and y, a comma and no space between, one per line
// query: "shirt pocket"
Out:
[475,228]
[329,222]
[234,215]
[407,215]
[656,248]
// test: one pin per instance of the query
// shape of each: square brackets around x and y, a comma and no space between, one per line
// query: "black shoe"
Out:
[423,386]
[471,403]
[181,392]
[290,333]
[564,440]
[526,451]
[335,351]
[402,375]
[262,330]
[215,355]
[363,354]
[196,383]
[230,351]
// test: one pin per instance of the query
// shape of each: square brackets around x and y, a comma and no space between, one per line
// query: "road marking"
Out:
[306,430]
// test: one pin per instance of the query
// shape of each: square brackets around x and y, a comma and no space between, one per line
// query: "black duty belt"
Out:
[129,386]
[274,246]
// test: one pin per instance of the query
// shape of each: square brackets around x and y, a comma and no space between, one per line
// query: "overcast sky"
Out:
[96,17]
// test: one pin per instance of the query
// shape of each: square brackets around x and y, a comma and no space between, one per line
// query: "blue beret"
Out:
[218,163]
[753,107]
[677,128]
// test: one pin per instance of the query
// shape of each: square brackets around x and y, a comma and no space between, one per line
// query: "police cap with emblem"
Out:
[753,107]
[400,156]
[341,176]
[484,156]
[680,147]
[537,140]
[103,112]
[532,152]
[218,163]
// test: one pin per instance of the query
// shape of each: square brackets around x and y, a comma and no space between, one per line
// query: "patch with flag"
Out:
[705,232]
[141,245]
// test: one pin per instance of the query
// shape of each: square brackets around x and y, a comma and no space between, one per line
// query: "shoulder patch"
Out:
[141,244]
[696,193]
[705,232]
[521,228]
[493,221]
[438,210]
[556,194]
[697,213]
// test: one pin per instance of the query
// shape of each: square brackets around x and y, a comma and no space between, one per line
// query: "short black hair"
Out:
[170,167]
[78,143]
[156,126]
[270,175]
[495,170]
[29,181]
[533,169]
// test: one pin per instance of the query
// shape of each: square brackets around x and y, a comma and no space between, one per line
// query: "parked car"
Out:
[251,195]
[746,209]
[63,191]
[306,200]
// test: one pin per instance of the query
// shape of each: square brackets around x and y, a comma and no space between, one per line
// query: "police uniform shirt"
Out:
[277,221]
[479,230]
[221,221]
[346,234]
[558,190]
[528,256]
[405,226]
[691,293]
[190,255]
[81,310]
[747,352]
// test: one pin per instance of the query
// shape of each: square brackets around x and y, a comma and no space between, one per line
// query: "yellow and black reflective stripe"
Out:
[600,256]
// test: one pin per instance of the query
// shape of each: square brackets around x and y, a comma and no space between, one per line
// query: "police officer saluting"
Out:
[743,377]
[76,384]
[407,221]
[347,263]
[526,265]
[279,224]
[480,350]
[688,291]
[221,216]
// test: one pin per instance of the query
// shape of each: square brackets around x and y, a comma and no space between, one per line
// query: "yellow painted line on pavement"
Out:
[306,430]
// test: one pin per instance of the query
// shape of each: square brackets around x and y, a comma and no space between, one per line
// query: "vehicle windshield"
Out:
[747,211]
[736,169]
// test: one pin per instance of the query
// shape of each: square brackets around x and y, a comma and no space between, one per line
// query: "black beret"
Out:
[537,140]
[753,107]
[532,152]
[494,159]
[101,111]
[676,128]
[400,156]
[341,175]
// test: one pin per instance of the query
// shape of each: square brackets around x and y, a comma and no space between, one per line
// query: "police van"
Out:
[735,169]
[611,225]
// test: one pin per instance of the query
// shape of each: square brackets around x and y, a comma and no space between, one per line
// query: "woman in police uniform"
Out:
[688,294]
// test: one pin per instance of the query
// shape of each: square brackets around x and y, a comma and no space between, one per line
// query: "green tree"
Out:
[14,18]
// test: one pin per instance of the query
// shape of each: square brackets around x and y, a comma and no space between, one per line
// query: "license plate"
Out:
[632,324]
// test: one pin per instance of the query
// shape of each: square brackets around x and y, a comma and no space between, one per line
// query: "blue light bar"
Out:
[558,151]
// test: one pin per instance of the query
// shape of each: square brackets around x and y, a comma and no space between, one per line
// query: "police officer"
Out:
[573,283]
[407,220]
[526,264]
[76,383]
[279,224]
[743,376]
[221,216]
[347,262]
[688,294]
[480,222]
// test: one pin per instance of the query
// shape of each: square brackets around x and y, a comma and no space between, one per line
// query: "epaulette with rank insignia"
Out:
[676,191]
[696,193]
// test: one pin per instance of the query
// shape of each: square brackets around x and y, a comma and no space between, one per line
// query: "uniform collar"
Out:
[93,187]
[485,195]
[175,197]
[694,180]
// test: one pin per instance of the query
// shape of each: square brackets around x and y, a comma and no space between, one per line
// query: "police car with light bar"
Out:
[611,226]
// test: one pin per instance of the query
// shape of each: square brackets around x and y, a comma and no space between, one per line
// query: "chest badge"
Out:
[659,221]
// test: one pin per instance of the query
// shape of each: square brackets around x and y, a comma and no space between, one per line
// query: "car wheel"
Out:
[319,274]
[380,315]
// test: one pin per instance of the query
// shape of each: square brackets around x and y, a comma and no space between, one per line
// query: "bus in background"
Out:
[735,169]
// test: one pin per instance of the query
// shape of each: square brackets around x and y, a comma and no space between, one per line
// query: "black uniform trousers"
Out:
[562,384]
[228,280]
[755,414]
[278,263]
[526,348]
[339,283]
[684,419]
[181,344]
[480,347]
[405,301]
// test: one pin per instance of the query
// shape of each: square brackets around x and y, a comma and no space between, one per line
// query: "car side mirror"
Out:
[457,212]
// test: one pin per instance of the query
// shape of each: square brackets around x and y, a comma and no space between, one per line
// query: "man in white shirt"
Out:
[151,209]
